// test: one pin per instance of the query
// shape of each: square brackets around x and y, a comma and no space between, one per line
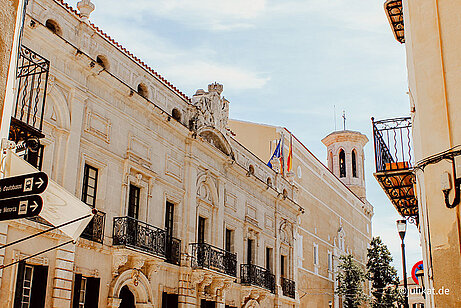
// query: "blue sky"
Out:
[284,63]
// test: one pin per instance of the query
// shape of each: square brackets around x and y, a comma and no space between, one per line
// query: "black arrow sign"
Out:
[21,207]
[23,185]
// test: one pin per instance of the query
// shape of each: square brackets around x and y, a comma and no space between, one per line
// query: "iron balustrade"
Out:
[173,250]
[258,276]
[288,287]
[133,233]
[392,141]
[32,78]
[207,256]
[94,231]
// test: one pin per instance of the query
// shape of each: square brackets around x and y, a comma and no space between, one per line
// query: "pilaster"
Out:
[63,276]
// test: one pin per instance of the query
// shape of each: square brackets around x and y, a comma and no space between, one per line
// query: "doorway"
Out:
[127,298]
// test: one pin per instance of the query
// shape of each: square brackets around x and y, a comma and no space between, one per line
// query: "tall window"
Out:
[169,218]
[250,251]
[316,254]
[283,266]
[30,286]
[330,261]
[90,181]
[201,229]
[133,201]
[229,240]
[86,292]
[269,259]
[354,164]
[342,164]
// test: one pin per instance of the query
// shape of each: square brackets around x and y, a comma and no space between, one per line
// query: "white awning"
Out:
[59,205]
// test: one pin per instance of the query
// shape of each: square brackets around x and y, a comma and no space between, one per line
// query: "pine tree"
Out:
[382,275]
[350,279]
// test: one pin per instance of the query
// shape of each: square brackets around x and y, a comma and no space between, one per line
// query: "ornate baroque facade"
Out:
[186,215]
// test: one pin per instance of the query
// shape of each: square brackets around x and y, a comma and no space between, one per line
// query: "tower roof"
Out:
[343,136]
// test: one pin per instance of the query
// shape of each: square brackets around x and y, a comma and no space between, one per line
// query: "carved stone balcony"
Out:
[394,166]
[207,256]
[288,287]
[251,274]
[94,231]
[132,233]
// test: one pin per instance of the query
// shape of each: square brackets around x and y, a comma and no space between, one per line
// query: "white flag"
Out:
[59,205]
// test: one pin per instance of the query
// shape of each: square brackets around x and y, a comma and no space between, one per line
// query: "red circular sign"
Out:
[418,266]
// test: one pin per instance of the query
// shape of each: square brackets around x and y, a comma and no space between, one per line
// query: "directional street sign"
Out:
[21,207]
[23,185]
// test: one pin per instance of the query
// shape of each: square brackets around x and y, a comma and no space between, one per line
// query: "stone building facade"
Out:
[187,216]
[337,216]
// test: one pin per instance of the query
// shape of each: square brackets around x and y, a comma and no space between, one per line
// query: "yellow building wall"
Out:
[433,44]
[8,10]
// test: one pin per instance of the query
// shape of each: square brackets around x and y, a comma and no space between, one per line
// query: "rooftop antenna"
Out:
[334,115]
[344,120]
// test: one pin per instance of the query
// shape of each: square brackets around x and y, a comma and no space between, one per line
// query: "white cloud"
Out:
[202,73]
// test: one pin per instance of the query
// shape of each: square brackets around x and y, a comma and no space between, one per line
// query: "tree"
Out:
[350,279]
[383,276]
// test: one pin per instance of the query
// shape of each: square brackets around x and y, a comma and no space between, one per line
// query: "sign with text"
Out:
[21,207]
[23,185]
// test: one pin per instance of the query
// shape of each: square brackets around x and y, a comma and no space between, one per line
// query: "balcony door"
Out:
[169,219]
[133,201]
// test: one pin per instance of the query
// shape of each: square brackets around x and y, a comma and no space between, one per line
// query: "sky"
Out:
[293,63]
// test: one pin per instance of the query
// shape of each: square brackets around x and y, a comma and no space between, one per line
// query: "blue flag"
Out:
[277,154]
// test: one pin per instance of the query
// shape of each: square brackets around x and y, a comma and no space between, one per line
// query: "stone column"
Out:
[63,277]
[72,153]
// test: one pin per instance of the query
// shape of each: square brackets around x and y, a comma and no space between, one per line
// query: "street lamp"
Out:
[402,228]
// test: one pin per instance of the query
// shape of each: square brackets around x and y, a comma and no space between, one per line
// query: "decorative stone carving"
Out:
[213,110]
[85,7]
[205,282]
[118,260]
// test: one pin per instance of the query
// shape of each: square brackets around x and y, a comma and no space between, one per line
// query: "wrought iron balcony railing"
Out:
[214,258]
[288,287]
[94,231]
[255,275]
[132,233]
[27,115]
[392,140]
[394,163]
[173,250]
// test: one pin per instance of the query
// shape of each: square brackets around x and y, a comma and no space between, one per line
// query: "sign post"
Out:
[20,207]
[23,185]
[18,195]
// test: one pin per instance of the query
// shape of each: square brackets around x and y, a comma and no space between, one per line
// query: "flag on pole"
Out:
[290,155]
[277,154]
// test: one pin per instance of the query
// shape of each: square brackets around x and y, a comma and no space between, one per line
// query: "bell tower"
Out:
[345,158]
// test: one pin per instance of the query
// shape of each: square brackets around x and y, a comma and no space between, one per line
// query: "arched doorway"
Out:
[127,298]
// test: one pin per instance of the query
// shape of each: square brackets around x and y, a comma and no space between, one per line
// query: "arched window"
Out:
[354,164]
[342,164]
[142,90]
[330,161]
[53,26]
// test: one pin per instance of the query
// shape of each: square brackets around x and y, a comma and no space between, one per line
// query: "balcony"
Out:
[394,165]
[288,287]
[29,106]
[251,274]
[214,258]
[94,231]
[394,12]
[132,233]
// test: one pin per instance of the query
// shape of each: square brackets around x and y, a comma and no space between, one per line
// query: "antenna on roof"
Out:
[344,120]
[334,115]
